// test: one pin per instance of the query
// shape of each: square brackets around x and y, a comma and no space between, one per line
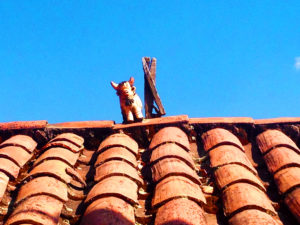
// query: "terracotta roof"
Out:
[169,170]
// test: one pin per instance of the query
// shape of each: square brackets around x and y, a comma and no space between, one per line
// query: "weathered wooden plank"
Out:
[147,93]
[149,100]
[152,87]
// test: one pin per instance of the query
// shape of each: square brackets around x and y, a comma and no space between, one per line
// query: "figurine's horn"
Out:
[131,81]
[114,85]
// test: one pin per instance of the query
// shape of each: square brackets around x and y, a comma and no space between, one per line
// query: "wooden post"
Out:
[151,94]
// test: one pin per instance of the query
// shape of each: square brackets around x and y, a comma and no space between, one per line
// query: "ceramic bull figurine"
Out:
[131,104]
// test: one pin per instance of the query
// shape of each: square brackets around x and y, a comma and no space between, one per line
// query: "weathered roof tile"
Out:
[117,168]
[280,158]
[168,120]
[173,167]
[119,140]
[84,124]
[219,136]
[222,120]
[230,174]
[16,154]
[287,178]
[171,150]
[58,153]
[292,200]
[116,153]
[109,210]
[274,138]
[170,135]
[23,141]
[180,211]
[43,186]
[243,196]
[23,125]
[3,184]
[60,173]
[174,187]
[54,168]
[64,144]
[253,217]
[70,137]
[9,168]
[117,186]
[228,154]
[40,209]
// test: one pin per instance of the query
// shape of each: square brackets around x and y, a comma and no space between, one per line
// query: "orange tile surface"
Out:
[219,136]
[100,177]
[170,134]
[180,211]
[119,140]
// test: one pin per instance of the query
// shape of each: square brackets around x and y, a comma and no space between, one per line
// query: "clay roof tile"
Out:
[274,138]
[40,209]
[16,154]
[280,158]
[109,210]
[173,167]
[228,154]
[171,150]
[117,186]
[119,140]
[174,187]
[23,141]
[116,153]
[58,153]
[287,178]
[170,135]
[117,168]
[232,173]
[72,138]
[9,168]
[253,217]
[180,211]
[220,136]
[243,196]
[43,186]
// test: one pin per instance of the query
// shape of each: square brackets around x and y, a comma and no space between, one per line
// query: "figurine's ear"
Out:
[131,81]
[114,85]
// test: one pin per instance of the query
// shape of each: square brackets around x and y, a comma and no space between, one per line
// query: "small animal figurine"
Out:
[131,104]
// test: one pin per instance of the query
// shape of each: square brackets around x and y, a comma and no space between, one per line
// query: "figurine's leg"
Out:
[138,113]
[124,116]
[130,118]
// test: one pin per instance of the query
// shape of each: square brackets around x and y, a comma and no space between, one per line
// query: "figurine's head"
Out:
[124,89]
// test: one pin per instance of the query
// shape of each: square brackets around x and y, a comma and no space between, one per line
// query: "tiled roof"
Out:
[170,170]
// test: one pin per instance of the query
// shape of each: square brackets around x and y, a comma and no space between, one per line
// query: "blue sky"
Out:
[215,58]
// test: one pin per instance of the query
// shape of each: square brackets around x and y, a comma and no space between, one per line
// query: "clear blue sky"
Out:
[215,58]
